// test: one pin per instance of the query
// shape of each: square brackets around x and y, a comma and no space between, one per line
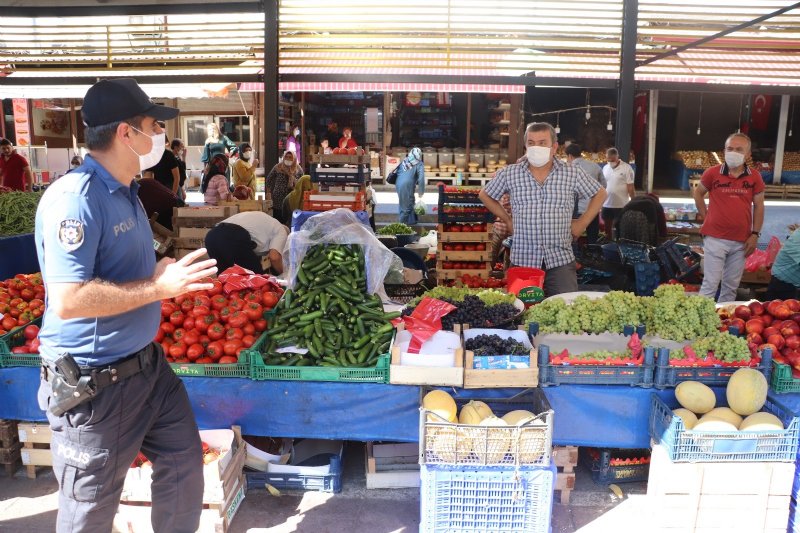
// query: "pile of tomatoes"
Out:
[211,326]
[477,282]
[464,247]
[21,301]
[463,265]
[461,227]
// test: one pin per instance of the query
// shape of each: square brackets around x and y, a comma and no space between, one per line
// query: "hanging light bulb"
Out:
[609,126]
[588,112]
[558,123]
[588,105]
[700,113]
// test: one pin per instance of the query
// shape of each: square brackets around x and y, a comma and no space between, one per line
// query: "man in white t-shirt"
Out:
[619,177]
[243,238]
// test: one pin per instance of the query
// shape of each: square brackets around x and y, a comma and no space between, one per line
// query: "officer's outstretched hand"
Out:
[174,278]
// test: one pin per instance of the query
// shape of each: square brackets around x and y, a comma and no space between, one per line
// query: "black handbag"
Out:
[391,179]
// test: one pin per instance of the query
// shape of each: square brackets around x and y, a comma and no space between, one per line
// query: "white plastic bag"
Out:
[420,208]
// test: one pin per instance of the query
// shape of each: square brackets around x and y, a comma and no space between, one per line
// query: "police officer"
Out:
[106,386]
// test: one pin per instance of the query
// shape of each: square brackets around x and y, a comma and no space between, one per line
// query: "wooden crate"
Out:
[477,255]
[427,375]
[565,459]
[35,438]
[392,466]
[338,159]
[791,192]
[184,232]
[741,497]
[458,236]
[180,253]
[243,206]
[215,517]
[486,379]
[200,217]
[774,191]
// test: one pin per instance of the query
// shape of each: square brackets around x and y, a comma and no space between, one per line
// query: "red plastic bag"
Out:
[425,321]
[237,278]
[756,261]
[773,248]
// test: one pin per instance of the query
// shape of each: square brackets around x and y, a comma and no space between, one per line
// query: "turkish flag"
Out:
[639,123]
[760,109]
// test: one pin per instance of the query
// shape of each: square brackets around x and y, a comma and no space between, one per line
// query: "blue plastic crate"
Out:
[723,446]
[796,484]
[498,500]
[331,482]
[648,277]
[299,217]
[633,375]
[667,375]
[794,522]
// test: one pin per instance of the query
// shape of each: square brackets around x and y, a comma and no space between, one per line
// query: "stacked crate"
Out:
[191,224]
[9,446]
[464,234]
[35,438]
[340,183]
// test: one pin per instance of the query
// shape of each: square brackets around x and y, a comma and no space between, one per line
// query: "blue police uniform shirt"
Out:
[90,226]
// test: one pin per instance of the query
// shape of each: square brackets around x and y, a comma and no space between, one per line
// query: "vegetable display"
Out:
[21,301]
[18,212]
[396,228]
[328,319]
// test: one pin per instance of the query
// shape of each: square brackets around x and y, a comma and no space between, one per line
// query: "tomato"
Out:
[215,350]
[205,360]
[192,336]
[176,318]
[19,349]
[216,289]
[167,308]
[236,303]
[234,333]
[34,346]
[216,331]
[249,329]
[458,247]
[202,301]
[225,313]
[260,325]
[165,345]
[167,327]
[480,247]
[195,351]
[27,294]
[24,318]
[248,341]
[219,301]
[201,323]
[469,247]
[179,334]
[31,332]
[228,360]
[188,323]
[447,265]
[231,346]
[201,310]
[455,228]
[159,335]
[187,306]
[36,303]
[253,310]
[178,349]
[254,296]
[237,319]
[181,298]
[269,299]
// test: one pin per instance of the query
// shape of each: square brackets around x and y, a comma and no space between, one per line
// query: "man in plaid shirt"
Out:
[543,192]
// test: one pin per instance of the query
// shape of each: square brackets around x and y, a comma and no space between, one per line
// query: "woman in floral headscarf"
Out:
[215,184]
[410,175]
[280,181]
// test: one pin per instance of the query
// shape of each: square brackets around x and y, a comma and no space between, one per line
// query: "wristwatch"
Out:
[756,233]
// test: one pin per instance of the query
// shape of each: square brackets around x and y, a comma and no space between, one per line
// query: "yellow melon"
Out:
[761,422]
[474,412]
[688,417]
[441,442]
[518,417]
[747,391]
[440,403]
[494,442]
[713,424]
[723,413]
[532,440]
[695,396]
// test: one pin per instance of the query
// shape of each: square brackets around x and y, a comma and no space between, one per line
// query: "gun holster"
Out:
[69,387]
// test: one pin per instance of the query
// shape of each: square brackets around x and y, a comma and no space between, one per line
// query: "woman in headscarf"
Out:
[280,181]
[294,200]
[215,184]
[217,143]
[410,175]
[244,171]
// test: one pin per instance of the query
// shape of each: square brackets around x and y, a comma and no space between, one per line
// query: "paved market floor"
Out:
[29,506]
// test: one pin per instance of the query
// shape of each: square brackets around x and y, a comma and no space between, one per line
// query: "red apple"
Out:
[793,304]
[743,312]
[754,325]
[782,312]
[792,342]
[756,308]
[789,327]
[772,330]
[795,317]
[737,323]
[755,338]
[777,340]
[766,319]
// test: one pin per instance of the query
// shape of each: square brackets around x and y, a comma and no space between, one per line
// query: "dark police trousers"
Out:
[94,444]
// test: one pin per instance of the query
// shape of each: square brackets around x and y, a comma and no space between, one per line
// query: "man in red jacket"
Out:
[15,172]
[733,219]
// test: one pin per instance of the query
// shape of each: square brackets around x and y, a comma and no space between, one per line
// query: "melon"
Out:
[474,412]
[441,441]
[493,444]
[518,417]
[761,422]
[532,440]
[440,403]
[747,391]
[713,424]
[695,396]
[688,417]
[723,413]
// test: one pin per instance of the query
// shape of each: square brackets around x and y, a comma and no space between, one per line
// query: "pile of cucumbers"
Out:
[329,313]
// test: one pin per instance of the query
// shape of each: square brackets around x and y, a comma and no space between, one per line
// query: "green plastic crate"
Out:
[782,380]
[14,339]
[213,370]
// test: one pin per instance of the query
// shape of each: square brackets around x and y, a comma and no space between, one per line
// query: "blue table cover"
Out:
[18,255]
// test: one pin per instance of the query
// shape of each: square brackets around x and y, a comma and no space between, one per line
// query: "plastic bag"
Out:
[756,261]
[237,278]
[420,208]
[338,226]
[773,248]
[425,321]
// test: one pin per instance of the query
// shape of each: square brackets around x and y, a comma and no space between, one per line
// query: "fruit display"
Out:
[774,325]
[213,326]
[465,227]
[495,345]
[21,301]
[329,302]
[465,247]
[716,349]
[472,310]
[746,394]
[396,228]
[698,159]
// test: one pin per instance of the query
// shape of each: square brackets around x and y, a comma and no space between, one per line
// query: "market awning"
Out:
[176,90]
[321,86]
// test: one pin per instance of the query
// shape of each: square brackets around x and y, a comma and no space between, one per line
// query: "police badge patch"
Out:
[70,234]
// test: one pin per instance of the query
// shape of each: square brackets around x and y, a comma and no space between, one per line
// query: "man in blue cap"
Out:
[106,386]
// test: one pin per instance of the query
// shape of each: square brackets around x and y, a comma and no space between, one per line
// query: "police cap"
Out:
[109,101]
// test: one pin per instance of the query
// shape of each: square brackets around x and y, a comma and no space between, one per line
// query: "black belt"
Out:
[108,375]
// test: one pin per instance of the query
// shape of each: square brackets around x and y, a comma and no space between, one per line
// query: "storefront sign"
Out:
[22,128]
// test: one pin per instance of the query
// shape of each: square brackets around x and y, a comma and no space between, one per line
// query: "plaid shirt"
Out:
[542,213]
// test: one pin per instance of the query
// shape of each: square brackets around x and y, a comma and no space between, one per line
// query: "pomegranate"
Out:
[743,312]
[754,325]
[756,308]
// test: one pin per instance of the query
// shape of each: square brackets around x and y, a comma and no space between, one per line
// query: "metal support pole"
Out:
[652,124]
[627,78]
[270,83]
[781,144]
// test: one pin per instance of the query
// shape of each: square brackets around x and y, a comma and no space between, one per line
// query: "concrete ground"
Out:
[29,506]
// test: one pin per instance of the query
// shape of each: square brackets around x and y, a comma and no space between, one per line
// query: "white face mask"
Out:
[246,155]
[296,133]
[538,156]
[151,158]
[288,162]
[734,159]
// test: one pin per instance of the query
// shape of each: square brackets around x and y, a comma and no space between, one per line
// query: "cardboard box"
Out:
[192,233]
[491,378]
[446,369]
[392,466]
[759,277]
